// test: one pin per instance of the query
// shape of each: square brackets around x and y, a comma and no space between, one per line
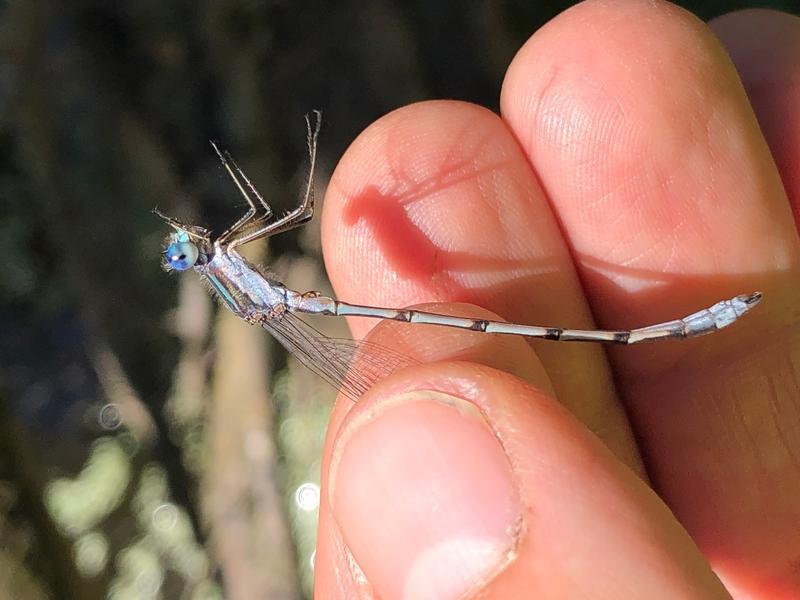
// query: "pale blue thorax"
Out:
[240,285]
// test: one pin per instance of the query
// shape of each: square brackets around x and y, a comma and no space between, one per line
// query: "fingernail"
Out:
[424,496]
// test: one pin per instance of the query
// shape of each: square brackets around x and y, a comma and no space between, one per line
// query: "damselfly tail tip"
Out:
[752,299]
[745,302]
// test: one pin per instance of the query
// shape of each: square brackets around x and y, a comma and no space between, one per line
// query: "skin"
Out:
[637,172]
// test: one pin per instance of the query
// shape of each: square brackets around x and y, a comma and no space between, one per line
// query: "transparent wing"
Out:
[351,366]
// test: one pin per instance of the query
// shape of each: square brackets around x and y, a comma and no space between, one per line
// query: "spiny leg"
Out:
[252,214]
[228,159]
[303,213]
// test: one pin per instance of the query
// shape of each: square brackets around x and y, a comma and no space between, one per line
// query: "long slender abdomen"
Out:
[702,322]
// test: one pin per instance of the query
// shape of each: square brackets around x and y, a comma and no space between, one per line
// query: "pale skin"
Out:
[628,179]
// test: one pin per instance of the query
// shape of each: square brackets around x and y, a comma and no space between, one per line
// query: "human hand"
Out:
[627,182]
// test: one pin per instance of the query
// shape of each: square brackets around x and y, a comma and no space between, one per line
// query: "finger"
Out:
[638,128]
[436,202]
[765,47]
[455,478]
[334,570]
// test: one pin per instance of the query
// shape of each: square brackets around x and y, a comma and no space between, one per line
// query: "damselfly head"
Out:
[186,247]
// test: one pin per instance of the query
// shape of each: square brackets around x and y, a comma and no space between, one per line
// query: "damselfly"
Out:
[259,298]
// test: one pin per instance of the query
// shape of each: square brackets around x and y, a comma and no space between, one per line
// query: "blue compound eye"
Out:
[181,255]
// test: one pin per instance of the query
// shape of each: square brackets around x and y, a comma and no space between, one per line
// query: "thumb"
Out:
[455,479]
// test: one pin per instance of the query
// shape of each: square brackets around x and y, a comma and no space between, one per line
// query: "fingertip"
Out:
[435,201]
[375,249]
[583,47]
[423,494]
[637,123]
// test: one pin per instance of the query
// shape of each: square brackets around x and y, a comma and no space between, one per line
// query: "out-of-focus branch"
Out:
[187,402]
[16,580]
[241,502]
[124,403]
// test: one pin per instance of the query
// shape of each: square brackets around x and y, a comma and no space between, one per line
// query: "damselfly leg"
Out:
[256,211]
[239,233]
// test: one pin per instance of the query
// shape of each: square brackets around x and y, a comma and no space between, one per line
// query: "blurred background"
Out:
[151,445]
